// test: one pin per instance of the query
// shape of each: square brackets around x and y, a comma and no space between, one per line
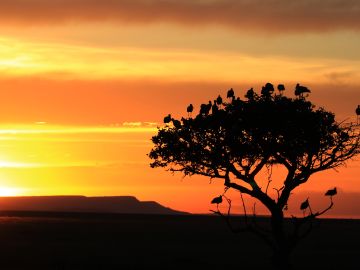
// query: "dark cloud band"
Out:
[260,15]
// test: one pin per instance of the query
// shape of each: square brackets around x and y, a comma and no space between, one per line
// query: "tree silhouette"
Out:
[236,139]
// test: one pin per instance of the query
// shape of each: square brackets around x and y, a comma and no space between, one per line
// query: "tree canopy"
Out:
[235,138]
[240,137]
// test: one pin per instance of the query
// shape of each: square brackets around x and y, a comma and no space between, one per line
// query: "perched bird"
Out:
[218,100]
[304,205]
[176,123]
[358,113]
[205,108]
[230,93]
[214,107]
[281,88]
[250,94]
[331,192]
[300,90]
[217,200]
[267,90]
[189,110]
[167,119]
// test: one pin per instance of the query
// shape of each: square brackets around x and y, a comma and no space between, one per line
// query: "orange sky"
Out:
[82,89]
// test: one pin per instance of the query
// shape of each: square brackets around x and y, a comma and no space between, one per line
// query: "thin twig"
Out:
[243,203]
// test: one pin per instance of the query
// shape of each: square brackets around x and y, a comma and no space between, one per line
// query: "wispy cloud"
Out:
[53,129]
[274,15]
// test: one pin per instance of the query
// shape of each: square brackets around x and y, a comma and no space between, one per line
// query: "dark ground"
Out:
[104,241]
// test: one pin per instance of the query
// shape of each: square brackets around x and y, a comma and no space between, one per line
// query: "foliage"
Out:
[234,140]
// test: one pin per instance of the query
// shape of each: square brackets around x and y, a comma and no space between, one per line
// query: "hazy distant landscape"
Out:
[124,241]
[83,204]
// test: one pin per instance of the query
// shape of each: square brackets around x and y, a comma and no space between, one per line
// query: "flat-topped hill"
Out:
[115,204]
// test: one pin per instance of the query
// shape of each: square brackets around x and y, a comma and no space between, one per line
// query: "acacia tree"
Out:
[235,140]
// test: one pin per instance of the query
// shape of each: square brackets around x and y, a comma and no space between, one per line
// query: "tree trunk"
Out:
[282,247]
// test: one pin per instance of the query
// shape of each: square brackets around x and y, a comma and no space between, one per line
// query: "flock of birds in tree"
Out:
[266,91]
[214,106]
[303,206]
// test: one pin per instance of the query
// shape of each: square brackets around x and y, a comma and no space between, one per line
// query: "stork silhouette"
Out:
[205,108]
[304,205]
[357,114]
[217,200]
[215,107]
[230,93]
[250,94]
[190,109]
[176,123]
[167,119]
[281,89]
[267,90]
[301,90]
[331,192]
[218,101]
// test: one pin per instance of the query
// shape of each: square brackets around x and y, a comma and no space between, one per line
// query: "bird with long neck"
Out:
[230,93]
[218,101]
[281,89]
[301,90]
[167,119]
[189,110]
[304,205]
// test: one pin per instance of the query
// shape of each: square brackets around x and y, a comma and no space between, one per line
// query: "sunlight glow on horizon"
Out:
[84,85]
[11,191]
[127,127]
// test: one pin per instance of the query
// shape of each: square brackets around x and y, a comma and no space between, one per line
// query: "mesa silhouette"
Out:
[83,204]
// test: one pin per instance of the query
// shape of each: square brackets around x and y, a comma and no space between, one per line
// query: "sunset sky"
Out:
[85,83]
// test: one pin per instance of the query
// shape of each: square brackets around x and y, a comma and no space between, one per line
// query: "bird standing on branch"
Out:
[217,200]
[301,90]
[304,205]
[267,90]
[331,192]
[190,109]
[281,89]
[250,94]
[167,119]
[230,93]
[358,113]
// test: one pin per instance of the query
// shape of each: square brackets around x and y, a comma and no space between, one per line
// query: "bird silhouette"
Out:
[167,119]
[250,94]
[357,111]
[205,108]
[230,93]
[281,88]
[301,90]
[190,109]
[304,205]
[215,107]
[219,100]
[331,192]
[217,200]
[176,123]
[267,90]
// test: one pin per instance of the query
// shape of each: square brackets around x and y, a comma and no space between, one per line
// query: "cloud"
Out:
[271,15]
